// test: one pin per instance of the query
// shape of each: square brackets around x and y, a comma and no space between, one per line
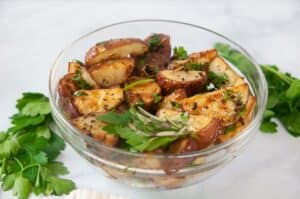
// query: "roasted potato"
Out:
[66,89]
[240,125]
[181,146]
[171,101]
[158,56]
[92,127]
[116,48]
[143,93]
[202,58]
[192,81]
[223,104]
[112,72]
[77,67]
[207,129]
[98,100]
[220,67]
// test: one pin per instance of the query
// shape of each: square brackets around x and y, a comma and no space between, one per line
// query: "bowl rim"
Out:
[263,99]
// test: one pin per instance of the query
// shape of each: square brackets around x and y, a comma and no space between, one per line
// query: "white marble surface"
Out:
[32,33]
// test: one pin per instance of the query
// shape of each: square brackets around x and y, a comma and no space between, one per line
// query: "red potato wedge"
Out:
[66,89]
[203,58]
[171,101]
[75,67]
[192,81]
[92,127]
[143,93]
[207,129]
[223,104]
[155,59]
[112,72]
[246,119]
[220,67]
[98,100]
[116,48]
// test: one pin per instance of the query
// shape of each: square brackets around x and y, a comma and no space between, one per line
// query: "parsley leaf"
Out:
[180,52]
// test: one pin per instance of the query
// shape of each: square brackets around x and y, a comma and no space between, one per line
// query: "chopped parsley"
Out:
[154,42]
[157,98]
[80,82]
[217,80]
[194,66]
[80,93]
[175,104]
[180,52]
[228,95]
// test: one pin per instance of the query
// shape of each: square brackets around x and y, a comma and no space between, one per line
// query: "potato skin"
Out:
[92,127]
[143,93]
[116,48]
[181,146]
[209,134]
[112,72]
[66,89]
[190,81]
[155,59]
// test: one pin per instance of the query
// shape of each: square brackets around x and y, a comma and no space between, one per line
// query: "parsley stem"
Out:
[19,163]
[31,165]
[136,83]
[4,164]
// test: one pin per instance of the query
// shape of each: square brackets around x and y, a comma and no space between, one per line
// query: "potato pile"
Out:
[121,73]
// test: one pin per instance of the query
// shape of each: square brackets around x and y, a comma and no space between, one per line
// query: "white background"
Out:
[32,33]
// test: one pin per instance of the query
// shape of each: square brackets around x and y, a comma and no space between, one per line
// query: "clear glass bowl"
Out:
[148,170]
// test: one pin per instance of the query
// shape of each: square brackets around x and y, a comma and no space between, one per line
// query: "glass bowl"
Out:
[149,170]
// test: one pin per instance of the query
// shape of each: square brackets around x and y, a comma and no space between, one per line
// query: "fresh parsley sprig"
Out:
[28,151]
[284,92]
[143,131]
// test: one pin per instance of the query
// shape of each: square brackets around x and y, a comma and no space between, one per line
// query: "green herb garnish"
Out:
[194,66]
[143,131]
[154,42]
[157,98]
[175,104]
[217,80]
[80,93]
[28,151]
[228,94]
[284,92]
[79,81]
[136,83]
[180,52]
